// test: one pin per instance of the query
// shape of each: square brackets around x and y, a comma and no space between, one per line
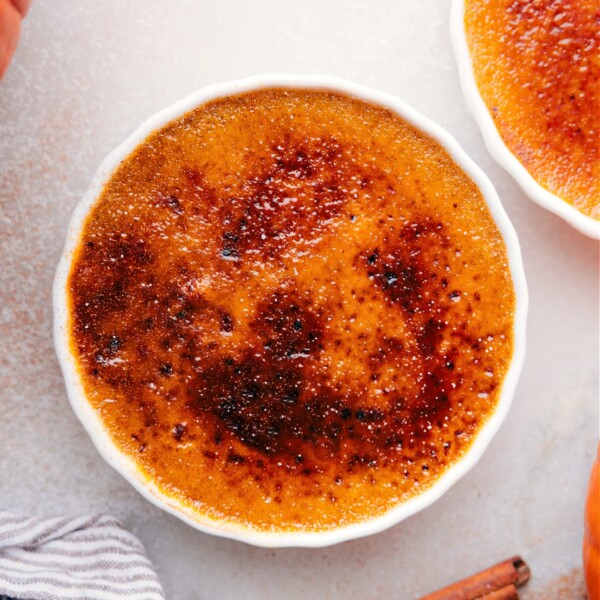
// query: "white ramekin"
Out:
[496,146]
[126,466]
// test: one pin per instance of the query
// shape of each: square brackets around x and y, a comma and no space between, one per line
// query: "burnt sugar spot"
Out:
[403,268]
[289,325]
[102,279]
[264,398]
[178,431]
[170,202]
[408,269]
[302,185]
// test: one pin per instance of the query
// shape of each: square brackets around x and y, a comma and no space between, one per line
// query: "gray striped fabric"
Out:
[85,558]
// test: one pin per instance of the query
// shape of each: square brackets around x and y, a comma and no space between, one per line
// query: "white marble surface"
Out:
[86,74]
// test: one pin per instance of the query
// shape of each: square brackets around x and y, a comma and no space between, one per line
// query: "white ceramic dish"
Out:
[494,142]
[125,465]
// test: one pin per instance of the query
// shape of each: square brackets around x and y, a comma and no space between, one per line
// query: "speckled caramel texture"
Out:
[537,66]
[292,309]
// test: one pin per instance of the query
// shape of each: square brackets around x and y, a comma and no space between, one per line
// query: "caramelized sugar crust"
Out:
[537,66]
[291,309]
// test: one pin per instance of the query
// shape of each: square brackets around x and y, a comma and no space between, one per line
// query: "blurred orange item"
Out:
[11,13]
[22,6]
[591,541]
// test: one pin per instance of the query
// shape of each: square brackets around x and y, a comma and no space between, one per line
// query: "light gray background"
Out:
[86,74]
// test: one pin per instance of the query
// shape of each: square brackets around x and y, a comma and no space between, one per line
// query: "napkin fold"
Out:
[83,558]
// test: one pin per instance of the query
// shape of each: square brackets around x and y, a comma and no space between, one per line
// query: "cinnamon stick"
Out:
[499,582]
[507,593]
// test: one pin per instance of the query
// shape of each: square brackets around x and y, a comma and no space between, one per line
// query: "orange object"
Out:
[591,540]
[22,6]
[11,13]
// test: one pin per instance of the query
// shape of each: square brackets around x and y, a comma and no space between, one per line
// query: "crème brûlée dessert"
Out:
[537,66]
[291,309]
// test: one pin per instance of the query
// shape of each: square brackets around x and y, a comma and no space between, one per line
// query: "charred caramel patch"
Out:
[280,313]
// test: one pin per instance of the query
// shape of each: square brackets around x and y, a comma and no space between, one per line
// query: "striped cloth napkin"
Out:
[85,558]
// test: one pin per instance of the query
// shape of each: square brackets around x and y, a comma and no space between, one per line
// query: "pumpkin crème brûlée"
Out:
[537,66]
[291,309]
